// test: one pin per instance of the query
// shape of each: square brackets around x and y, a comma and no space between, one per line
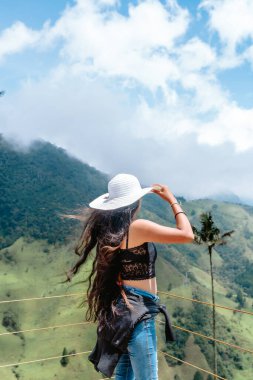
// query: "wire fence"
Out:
[207,303]
[159,291]
[193,365]
[213,339]
[85,323]
[87,352]
[41,298]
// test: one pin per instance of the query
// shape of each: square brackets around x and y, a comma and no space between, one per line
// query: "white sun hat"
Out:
[123,190]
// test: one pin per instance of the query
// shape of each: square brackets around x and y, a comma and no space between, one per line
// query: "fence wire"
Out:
[159,291]
[83,323]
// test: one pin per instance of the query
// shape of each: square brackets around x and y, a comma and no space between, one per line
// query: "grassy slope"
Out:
[194,356]
[45,271]
[40,276]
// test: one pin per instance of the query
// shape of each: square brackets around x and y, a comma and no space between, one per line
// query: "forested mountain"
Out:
[37,185]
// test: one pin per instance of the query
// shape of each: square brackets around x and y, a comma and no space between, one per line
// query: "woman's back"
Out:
[142,234]
[137,261]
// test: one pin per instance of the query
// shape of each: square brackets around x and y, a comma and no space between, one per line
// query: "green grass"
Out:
[204,279]
[37,273]
[194,356]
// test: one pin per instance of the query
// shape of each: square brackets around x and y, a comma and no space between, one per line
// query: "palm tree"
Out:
[210,236]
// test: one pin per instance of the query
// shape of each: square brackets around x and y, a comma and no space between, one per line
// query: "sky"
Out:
[162,89]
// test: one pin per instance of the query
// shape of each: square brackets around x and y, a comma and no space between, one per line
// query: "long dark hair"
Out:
[103,229]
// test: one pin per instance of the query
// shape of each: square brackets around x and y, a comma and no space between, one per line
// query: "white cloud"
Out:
[248,55]
[232,124]
[140,50]
[17,38]
[99,126]
[84,104]
[206,93]
[108,2]
[65,109]
[110,44]
[195,55]
[232,19]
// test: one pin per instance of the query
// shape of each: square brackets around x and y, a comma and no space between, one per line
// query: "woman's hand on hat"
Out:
[162,190]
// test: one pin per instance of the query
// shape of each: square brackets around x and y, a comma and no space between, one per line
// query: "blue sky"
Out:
[238,80]
[169,77]
[32,13]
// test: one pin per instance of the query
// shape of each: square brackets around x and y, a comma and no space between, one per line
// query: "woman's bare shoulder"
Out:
[155,232]
[141,226]
[143,223]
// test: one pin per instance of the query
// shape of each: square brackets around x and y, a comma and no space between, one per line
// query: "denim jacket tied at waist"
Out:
[112,340]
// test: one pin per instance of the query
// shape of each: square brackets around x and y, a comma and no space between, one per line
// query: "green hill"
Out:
[38,184]
[37,249]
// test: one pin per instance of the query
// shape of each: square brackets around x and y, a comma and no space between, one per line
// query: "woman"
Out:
[125,263]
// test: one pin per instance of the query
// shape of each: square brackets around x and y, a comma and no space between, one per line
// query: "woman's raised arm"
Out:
[151,231]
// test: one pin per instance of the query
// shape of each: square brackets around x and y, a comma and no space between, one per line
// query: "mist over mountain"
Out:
[226,196]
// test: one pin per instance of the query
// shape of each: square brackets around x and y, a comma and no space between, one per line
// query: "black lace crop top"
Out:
[138,263]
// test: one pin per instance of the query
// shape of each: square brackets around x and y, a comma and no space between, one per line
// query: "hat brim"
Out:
[105,203]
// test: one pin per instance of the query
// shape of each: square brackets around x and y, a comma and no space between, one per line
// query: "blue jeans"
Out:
[140,361]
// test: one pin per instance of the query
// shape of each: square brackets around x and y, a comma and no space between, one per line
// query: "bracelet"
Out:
[179,213]
[174,203]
